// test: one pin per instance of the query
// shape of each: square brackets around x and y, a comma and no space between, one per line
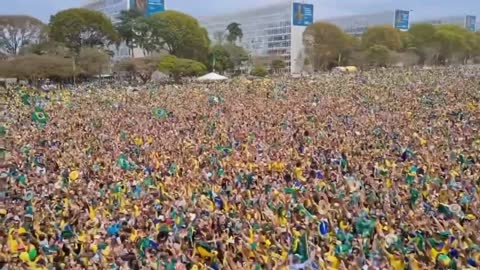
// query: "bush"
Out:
[180,67]
[378,55]
[34,67]
[259,71]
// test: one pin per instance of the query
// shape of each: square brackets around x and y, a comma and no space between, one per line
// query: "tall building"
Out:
[274,31]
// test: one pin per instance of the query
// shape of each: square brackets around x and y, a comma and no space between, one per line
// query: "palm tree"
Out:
[234,32]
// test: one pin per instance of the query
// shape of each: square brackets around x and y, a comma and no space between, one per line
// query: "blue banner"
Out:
[155,6]
[402,19]
[148,7]
[302,14]
[471,23]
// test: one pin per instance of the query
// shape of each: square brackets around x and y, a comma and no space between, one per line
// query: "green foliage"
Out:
[219,59]
[423,35]
[406,41]
[382,35]
[77,28]
[259,71]
[444,43]
[182,35]
[278,65]
[237,54]
[378,55]
[180,67]
[454,41]
[234,32]
[18,31]
[46,47]
[129,27]
[326,44]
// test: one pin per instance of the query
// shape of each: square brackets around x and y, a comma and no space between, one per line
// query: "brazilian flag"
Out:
[160,113]
[225,150]
[125,164]
[26,99]
[300,247]
[39,116]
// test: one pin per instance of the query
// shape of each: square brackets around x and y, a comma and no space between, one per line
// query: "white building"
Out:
[271,31]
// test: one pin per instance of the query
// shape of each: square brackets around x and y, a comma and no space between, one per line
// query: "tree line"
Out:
[424,44]
[79,43]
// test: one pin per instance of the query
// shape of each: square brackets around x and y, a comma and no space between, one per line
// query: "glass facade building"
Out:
[111,8]
[270,33]
[266,31]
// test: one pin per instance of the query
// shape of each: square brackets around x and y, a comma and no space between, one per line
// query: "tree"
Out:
[77,28]
[382,35]
[278,65]
[141,68]
[423,41]
[180,67]
[129,27]
[237,54]
[327,45]
[259,71]
[182,35]
[234,32]
[422,34]
[456,43]
[46,48]
[93,61]
[473,42]
[19,31]
[219,59]
[406,40]
[378,55]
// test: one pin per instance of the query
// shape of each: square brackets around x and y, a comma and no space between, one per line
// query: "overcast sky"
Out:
[422,9]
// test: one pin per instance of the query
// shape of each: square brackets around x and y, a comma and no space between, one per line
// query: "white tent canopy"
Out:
[212,77]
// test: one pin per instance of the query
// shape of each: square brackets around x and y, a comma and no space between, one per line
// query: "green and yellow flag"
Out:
[160,113]
[39,116]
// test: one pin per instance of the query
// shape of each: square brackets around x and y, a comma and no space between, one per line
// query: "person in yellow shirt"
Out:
[299,172]
[396,261]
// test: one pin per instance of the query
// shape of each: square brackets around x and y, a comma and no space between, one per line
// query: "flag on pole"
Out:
[300,248]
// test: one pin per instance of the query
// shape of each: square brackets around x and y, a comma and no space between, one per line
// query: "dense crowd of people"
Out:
[375,170]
